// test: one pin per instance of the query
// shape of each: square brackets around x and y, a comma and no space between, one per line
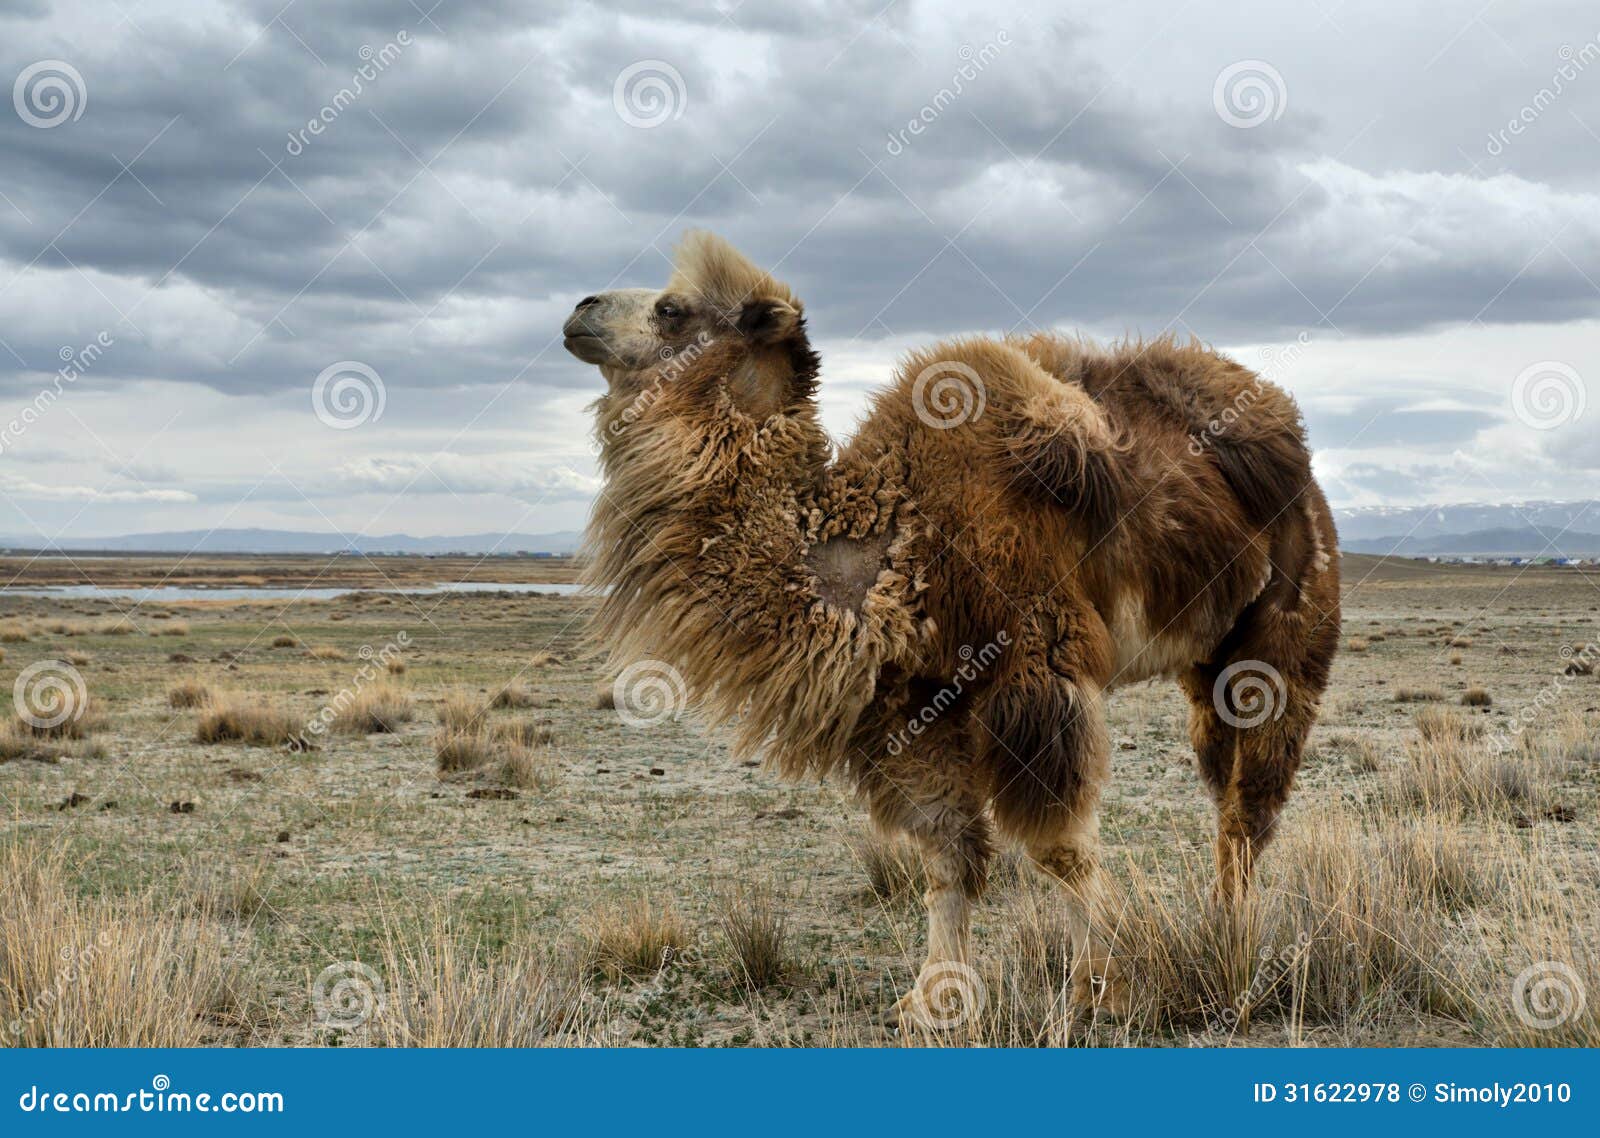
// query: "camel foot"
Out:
[946,996]
[1101,989]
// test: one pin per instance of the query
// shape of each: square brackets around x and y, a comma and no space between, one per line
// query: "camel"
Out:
[937,610]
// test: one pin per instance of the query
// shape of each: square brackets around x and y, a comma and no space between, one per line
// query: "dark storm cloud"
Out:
[440,225]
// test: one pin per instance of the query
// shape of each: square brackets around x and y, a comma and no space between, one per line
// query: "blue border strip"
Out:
[769,1093]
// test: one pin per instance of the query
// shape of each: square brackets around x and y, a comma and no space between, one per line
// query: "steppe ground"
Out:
[579,880]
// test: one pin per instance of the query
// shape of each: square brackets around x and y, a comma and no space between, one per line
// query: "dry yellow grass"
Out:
[375,709]
[446,990]
[514,694]
[234,718]
[325,652]
[189,694]
[101,972]
[634,938]
[755,934]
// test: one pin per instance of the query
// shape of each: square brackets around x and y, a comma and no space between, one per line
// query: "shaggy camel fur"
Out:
[937,612]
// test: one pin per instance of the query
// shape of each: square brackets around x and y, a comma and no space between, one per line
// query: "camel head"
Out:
[717,307]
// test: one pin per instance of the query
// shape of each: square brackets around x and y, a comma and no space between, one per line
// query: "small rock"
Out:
[658,771]
[499,793]
[283,835]
[182,807]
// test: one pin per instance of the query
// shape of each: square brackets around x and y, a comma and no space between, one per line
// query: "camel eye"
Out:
[668,311]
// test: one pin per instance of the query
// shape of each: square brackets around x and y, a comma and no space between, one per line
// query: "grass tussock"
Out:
[512,754]
[1476,697]
[636,938]
[189,694]
[893,867]
[1357,644]
[325,652]
[1450,773]
[104,973]
[1418,695]
[755,935]
[395,666]
[445,989]
[381,708]
[514,694]
[231,718]
[285,641]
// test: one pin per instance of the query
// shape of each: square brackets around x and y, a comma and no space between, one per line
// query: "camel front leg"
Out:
[929,792]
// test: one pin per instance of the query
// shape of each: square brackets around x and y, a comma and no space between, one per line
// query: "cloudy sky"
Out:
[1333,191]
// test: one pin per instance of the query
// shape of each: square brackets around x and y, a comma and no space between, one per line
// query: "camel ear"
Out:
[768,319]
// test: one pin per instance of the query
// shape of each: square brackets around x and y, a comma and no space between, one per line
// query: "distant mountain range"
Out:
[1522,529]
[292,541]
[1525,529]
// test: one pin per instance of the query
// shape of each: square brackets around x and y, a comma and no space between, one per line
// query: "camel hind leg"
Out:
[1249,719]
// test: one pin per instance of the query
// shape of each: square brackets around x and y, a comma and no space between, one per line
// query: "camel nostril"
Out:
[586,302]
